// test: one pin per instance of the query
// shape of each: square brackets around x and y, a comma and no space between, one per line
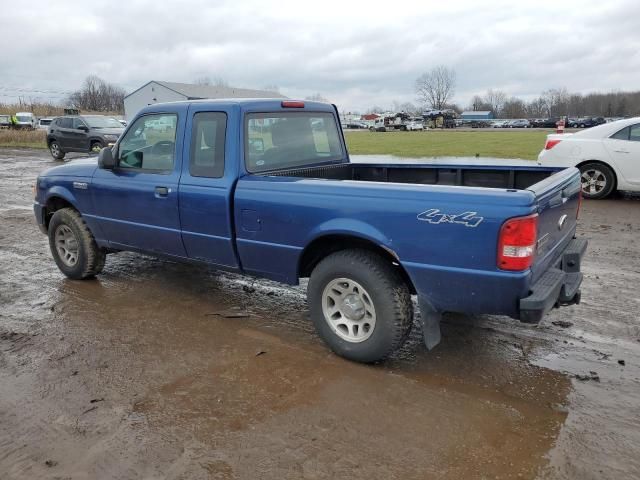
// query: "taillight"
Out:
[292,104]
[551,143]
[517,243]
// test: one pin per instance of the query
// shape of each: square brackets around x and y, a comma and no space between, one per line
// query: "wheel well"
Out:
[324,246]
[615,177]
[53,205]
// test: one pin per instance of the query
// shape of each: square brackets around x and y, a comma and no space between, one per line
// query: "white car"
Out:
[415,126]
[607,155]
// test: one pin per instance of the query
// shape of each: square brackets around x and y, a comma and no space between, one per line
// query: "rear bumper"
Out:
[558,286]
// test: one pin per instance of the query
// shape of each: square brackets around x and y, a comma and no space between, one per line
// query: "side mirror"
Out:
[105,159]
[84,128]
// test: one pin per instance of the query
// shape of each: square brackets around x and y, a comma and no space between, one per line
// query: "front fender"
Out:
[61,192]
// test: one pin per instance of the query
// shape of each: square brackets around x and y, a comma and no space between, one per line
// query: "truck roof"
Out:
[267,104]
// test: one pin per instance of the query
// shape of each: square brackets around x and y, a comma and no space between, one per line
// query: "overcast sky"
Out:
[356,54]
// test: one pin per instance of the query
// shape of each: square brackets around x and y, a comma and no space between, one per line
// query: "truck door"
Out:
[136,203]
[205,192]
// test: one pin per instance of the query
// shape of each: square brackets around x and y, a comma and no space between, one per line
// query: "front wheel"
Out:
[73,246]
[598,180]
[56,150]
[360,305]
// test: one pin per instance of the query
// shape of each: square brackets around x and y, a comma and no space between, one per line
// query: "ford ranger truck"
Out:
[266,188]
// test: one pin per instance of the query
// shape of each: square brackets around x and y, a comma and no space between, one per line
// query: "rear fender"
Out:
[354,228]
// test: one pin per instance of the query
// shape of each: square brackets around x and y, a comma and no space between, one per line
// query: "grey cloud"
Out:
[356,54]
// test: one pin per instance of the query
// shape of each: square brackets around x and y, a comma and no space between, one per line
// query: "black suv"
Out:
[82,133]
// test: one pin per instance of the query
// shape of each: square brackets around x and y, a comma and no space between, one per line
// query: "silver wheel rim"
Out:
[54,148]
[593,181]
[348,309]
[66,245]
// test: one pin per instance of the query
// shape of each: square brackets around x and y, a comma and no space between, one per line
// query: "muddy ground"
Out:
[138,375]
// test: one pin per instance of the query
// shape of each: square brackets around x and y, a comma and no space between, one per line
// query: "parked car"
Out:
[591,122]
[5,121]
[82,133]
[357,125]
[463,236]
[607,155]
[520,123]
[43,123]
[500,124]
[415,125]
[24,121]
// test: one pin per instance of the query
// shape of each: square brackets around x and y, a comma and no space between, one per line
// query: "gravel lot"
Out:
[160,370]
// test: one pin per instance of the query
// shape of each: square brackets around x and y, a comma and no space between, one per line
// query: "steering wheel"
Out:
[163,147]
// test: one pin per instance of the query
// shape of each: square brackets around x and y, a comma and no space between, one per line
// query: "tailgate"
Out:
[558,199]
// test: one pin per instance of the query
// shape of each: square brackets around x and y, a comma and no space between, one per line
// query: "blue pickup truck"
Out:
[267,188]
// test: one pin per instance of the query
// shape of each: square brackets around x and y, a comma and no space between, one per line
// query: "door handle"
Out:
[621,151]
[162,191]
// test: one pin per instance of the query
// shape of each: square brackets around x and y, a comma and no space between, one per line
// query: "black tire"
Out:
[601,173]
[89,258]
[56,150]
[389,296]
[96,146]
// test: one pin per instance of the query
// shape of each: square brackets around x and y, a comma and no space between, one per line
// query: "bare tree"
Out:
[436,87]
[98,96]
[514,108]
[215,81]
[496,99]
[478,103]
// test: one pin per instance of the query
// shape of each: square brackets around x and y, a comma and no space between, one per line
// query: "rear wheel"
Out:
[360,305]
[56,150]
[598,180]
[73,246]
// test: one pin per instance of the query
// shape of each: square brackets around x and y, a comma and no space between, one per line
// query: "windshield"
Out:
[45,122]
[23,119]
[102,122]
[285,140]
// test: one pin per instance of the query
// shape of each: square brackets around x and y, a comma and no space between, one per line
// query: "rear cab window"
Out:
[290,139]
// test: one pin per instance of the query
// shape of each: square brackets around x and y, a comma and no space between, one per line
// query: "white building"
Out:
[159,92]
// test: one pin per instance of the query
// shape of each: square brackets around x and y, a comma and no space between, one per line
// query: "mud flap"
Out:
[430,321]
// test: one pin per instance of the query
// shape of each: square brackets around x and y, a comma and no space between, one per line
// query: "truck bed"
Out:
[487,176]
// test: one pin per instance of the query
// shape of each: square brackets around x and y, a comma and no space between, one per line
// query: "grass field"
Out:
[525,144]
[23,138]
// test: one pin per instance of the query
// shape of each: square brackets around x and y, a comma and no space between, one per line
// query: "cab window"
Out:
[150,143]
[207,144]
[286,140]
[634,133]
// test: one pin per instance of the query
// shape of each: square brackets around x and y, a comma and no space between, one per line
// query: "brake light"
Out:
[551,143]
[292,104]
[517,243]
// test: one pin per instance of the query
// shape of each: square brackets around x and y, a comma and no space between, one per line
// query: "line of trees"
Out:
[436,88]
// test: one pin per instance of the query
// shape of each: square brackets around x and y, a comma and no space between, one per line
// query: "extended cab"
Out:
[267,188]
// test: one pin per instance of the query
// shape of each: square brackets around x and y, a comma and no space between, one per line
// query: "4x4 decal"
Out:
[433,215]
